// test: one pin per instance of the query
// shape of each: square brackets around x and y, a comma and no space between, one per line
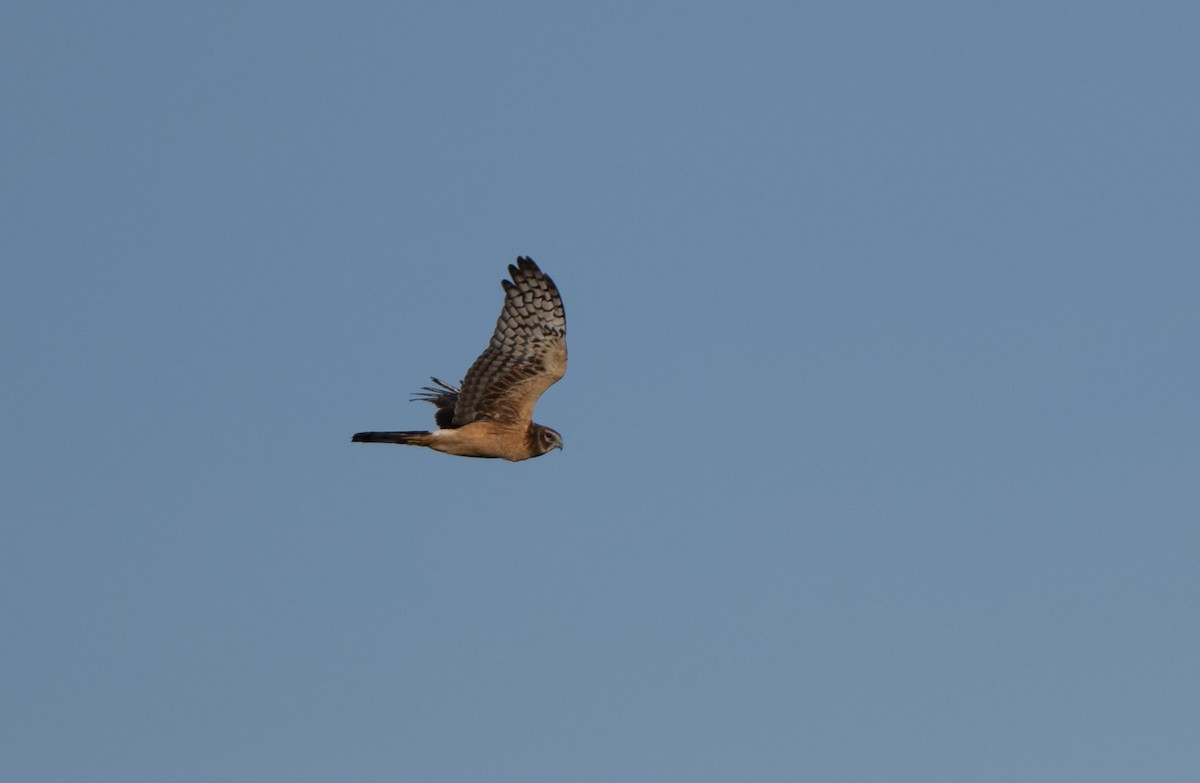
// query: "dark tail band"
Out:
[406,438]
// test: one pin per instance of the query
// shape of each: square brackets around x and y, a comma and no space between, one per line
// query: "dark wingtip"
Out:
[525,266]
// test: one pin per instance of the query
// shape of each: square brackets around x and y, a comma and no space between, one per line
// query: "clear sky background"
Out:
[882,441]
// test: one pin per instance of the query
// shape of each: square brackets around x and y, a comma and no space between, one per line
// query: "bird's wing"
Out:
[527,354]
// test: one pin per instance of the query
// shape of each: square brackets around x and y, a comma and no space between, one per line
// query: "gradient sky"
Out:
[882,441]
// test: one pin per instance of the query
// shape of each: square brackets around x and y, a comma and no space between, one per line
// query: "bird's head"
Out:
[546,439]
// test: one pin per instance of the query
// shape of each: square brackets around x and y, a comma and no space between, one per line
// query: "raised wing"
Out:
[527,354]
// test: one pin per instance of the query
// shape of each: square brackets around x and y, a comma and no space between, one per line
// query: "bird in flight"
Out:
[490,413]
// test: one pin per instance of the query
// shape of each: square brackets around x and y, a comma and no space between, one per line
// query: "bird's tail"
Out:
[407,438]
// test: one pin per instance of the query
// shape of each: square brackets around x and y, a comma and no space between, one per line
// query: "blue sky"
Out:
[881,426]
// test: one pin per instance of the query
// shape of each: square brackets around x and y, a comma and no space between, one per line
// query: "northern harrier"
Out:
[491,414]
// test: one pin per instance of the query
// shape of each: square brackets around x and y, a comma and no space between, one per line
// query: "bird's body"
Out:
[491,413]
[477,439]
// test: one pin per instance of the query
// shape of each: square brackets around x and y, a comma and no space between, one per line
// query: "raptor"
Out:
[490,413]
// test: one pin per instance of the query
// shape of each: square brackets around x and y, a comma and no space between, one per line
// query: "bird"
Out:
[490,413]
